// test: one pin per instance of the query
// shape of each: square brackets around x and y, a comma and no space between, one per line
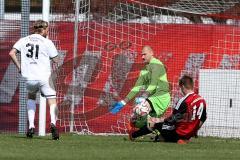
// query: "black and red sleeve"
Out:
[178,114]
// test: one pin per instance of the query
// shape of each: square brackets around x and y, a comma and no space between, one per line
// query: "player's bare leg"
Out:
[31,109]
[53,114]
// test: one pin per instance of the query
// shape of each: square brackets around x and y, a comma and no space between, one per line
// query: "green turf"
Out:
[73,147]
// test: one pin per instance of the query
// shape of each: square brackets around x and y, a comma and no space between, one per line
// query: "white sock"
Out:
[31,108]
[53,113]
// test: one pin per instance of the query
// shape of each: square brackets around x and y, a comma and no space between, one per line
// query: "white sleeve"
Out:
[52,51]
[18,45]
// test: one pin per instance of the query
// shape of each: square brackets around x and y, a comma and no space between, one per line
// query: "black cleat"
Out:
[54,131]
[158,137]
[30,133]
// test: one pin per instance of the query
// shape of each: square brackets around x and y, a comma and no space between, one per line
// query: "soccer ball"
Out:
[141,110]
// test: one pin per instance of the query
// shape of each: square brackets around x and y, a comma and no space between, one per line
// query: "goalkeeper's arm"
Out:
[135,90]
[119,105]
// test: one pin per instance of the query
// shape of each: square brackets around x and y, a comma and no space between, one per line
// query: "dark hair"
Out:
[186,81]
[39,25]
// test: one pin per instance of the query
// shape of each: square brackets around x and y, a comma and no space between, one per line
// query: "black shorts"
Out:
[168,135]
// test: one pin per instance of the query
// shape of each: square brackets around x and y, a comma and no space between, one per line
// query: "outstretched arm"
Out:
[137,87]
[119,105]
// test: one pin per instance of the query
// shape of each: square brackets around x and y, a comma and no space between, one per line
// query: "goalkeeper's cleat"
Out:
[131,125]
[30,133]
[54,131]
[130,135]
[131,129]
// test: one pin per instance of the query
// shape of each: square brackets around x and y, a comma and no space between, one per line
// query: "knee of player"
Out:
[51,101]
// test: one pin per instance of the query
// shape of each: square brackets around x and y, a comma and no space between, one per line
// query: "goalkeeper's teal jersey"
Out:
[153,79]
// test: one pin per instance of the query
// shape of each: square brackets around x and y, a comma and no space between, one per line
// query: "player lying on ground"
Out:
[36,52]
[153,87]
[187,117]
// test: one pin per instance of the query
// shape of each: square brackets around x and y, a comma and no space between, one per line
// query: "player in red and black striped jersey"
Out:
[187,117]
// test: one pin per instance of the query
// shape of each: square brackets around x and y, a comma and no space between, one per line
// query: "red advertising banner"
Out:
[182,48]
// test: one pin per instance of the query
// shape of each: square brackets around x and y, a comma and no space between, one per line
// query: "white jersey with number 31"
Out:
[36,52]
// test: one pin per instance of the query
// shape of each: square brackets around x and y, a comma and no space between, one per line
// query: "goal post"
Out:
[42,101]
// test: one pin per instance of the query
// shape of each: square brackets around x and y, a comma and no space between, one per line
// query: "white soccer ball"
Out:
[141,110]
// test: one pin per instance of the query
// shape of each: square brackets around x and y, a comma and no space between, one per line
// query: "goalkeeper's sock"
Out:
[142,131]
[53,113]
[31,108]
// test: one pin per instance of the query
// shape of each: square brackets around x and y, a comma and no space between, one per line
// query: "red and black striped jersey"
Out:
[187,114]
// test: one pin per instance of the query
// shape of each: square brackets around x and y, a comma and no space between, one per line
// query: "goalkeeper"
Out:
[153,86]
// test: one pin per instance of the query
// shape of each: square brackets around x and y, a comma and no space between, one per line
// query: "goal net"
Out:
[100,42]
[196,37]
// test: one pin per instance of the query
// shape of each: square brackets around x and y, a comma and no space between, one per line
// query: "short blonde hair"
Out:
[39,26]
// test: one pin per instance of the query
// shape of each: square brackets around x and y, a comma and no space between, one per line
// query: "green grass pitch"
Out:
[75,147]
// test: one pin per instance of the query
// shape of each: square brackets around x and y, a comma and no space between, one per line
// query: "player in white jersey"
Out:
[36,53]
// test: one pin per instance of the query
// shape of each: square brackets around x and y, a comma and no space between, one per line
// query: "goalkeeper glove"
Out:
[118,106]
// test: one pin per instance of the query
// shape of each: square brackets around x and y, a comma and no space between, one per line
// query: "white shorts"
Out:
[33,86]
